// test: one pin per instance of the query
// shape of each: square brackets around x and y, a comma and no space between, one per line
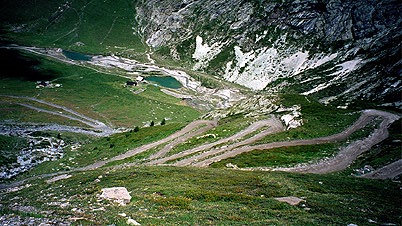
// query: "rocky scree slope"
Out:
[340,51]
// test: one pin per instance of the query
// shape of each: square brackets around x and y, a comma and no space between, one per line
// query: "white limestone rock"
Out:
[132,222]
[119,195]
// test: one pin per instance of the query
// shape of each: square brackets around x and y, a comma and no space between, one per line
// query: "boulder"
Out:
[294,201]
[119,195]
[132,222]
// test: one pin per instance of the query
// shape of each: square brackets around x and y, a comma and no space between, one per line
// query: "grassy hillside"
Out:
[93,94]
[164,195]
[85,26]
[190,196]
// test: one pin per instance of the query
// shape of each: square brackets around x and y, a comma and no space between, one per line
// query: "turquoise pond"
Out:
[76,56]
[165,81]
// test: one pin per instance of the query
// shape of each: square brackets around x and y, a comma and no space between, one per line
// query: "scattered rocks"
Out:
[40,149]
[209,135]
[119,195]
[24,209]
[13,220]
[293,119]
[132,222]
[19,188]
[366,169]
[60,204]
[61,177]
[47,84]
[291,200]
[233,166]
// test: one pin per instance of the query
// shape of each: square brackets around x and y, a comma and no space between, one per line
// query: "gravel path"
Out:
[274,126]
[80,117]
[339,162]
[98,128]
[180,140]
[387,172]
[188,129]
[344,158]
[252,128]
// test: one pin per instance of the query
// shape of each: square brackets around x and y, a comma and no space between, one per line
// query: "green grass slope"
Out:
[91,93]
[191,196]
[85,26]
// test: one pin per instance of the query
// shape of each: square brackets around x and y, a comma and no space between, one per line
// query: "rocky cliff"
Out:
[337,50]
[340,51]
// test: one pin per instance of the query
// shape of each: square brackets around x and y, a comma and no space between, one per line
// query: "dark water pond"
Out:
[165,81]
[76,56]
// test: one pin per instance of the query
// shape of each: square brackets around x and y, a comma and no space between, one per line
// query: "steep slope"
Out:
[340,51]
[347,50]
[104,27]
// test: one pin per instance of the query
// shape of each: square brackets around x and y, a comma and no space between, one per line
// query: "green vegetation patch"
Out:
[285,156]
[97,95]
[10,148]
[84,26]
[318,120]
[192,196]
[106,148]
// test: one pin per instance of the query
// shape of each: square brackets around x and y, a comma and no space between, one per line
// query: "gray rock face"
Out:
[166,22]
[241,37]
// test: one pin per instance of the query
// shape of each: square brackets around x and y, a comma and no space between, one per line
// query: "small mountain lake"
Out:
[76,56]
[165,81]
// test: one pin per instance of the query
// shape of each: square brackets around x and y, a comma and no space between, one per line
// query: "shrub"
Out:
[136,129]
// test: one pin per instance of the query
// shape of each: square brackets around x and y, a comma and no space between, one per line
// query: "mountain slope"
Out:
[340,51]
[348,50]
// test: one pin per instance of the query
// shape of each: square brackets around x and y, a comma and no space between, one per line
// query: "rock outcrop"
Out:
[338,50]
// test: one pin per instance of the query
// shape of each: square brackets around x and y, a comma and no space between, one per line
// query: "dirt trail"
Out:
[100,128]
[87,120]
[24,128]
[346,156]
[58,114]
[387,172]
[188,129]
[178,141]
[274,124]
[252,128]
[339,162]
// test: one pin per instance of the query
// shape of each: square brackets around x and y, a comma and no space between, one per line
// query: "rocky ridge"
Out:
[336,50]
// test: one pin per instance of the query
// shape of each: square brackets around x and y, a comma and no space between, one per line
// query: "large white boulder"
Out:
[119,195]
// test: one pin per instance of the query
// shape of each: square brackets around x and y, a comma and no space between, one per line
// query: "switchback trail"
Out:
[345,157]
[98,128]
[186,130]
[339,162]
[191,128]
[274,126]
[252,128]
